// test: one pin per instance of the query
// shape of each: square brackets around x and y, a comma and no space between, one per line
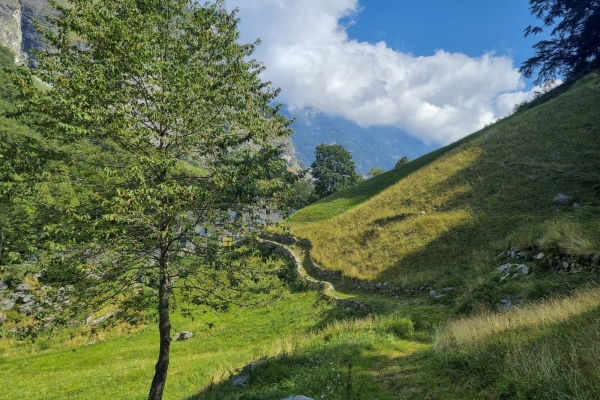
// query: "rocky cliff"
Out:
[17,28]
[11,35]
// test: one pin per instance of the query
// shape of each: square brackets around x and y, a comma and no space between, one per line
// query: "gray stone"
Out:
[91,343]
[539,256]
[505,267]
[7,304]
[22,287]
[523,268]
[239,381]
[503,278]
[513,254]
[448,289]
[576,205]
[27,298]
[561,198]
[185,335]
[423,213]
[2,318]
[27,308]
[101,319]
[3,286]
[299,397]
[565,264]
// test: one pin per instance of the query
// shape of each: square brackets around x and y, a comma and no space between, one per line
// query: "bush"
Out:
[402,328]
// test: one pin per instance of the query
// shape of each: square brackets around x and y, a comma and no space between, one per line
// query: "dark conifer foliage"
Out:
[574,48]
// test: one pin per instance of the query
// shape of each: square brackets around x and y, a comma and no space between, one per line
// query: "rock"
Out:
[576,205]
[513,254]
[91,343]
[22,287]
[299,397]
[523,268]
[7,304]
[448,289]
[423,213]
[185,335]
[11,34]
[505,267]
[503,278]
[239,381]
[539,256]
[38,274]
[561,198]
[565,265]
[3,286]
[2,318]
[27,308]
[247,369]
[27,298]
[101,319]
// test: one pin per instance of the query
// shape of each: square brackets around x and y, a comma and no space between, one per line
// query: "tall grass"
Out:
[475,329]
[543,351]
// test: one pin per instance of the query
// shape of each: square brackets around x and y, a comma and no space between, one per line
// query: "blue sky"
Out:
[472,27]
[438,70]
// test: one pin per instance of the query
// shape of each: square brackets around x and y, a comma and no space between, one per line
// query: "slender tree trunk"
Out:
[164,327]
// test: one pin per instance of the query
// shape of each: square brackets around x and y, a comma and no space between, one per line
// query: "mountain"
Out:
[376,146]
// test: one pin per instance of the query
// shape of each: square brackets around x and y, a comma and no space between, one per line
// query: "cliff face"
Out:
[10,27]
[17,29]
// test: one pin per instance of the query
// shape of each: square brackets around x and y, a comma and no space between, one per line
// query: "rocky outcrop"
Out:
[11,35]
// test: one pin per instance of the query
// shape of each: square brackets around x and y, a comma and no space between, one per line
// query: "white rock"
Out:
[539,256]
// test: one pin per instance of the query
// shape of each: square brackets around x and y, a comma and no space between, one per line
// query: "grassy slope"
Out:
[491,190]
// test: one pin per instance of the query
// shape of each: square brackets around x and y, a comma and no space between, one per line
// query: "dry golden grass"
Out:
[471,330]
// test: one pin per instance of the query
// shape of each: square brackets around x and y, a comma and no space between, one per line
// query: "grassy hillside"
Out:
[444,217]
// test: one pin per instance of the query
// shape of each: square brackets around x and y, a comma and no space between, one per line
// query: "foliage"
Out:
[574,49]
[333,169]
[375,171]
[167,129]
[401,161]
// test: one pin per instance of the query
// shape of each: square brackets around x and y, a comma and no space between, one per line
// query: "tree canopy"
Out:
[165,130]
[574,48]
[333,169]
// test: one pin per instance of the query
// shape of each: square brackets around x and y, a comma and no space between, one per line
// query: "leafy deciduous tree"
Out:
[171,128]
[333,169]
[575,45]
[402,161]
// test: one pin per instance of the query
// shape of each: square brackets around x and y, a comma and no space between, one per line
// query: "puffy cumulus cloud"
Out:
[438,98]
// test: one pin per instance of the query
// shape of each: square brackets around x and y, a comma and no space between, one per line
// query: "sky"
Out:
[437,69]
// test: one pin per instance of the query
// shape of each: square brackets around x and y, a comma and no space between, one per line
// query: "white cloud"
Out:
[438,98]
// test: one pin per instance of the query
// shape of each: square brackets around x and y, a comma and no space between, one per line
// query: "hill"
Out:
[443,218]
[376,146]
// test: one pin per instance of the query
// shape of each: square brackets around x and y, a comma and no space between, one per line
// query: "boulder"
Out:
[101,319]
[22,287]
[561,198]
[7,304]
[3,286]
[523,268]
[539,256]
[185,335]
[299,397]
[27,308]
[505,267]
[239,381]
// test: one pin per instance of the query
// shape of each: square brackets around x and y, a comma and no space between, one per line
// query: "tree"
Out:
[575,47]
[168,128]
[375,171]
[402,161]
[333,169]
